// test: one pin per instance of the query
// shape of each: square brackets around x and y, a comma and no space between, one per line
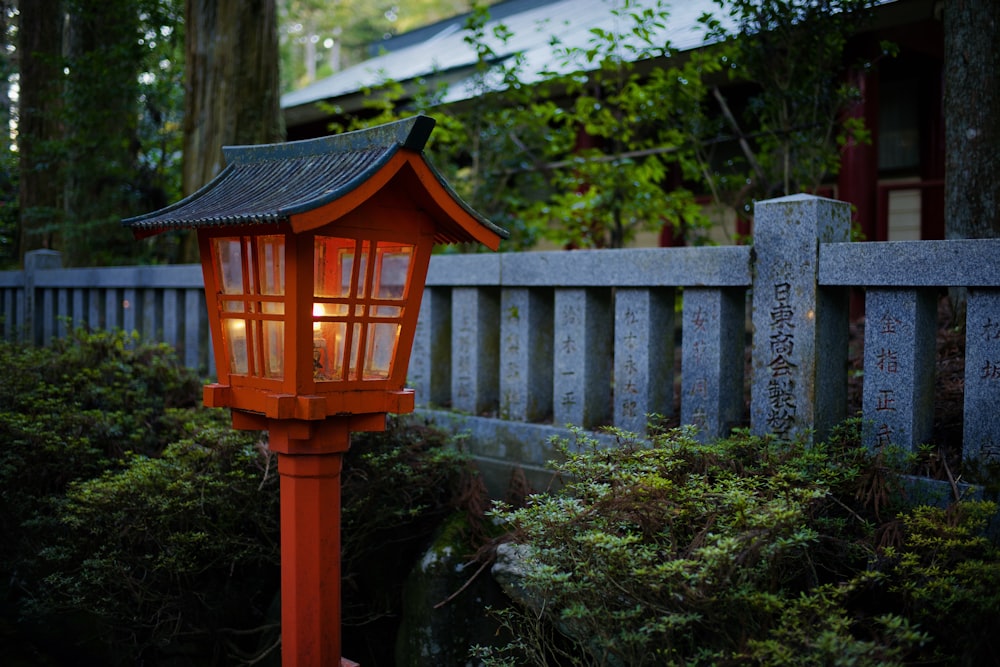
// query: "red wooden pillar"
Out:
[310,458]
[932,155]
[857,182]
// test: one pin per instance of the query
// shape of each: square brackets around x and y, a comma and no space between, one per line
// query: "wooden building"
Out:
[895,183]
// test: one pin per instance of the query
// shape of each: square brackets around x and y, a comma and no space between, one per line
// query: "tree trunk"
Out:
[232,90]
[40,190]
[972,118]
[105,59]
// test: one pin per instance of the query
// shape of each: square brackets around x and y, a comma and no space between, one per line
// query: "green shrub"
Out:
[176,553]
[743,551]
[945,575]
[70,411]
[141,528]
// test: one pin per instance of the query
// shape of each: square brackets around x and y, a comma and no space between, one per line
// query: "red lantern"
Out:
[314,255]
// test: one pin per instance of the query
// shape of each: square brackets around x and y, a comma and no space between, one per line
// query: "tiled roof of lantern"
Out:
[270,183]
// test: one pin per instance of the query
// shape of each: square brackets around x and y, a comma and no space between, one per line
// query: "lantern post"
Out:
[314,255]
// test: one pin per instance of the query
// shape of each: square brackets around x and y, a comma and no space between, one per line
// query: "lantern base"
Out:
[347,402]
[295,436]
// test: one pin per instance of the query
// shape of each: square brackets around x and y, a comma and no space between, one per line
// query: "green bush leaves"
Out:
[748,551]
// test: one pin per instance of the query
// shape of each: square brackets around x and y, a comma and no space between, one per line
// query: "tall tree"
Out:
[9,229]
[39,50]
[90,78]
[972,118]
[232,88]
[104,58]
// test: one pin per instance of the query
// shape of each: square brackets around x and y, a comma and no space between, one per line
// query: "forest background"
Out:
[121,107]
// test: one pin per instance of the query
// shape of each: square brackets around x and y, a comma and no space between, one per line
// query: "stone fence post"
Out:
[800,330]
[35,260]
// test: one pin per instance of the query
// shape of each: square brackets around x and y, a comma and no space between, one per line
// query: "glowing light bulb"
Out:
[319,310]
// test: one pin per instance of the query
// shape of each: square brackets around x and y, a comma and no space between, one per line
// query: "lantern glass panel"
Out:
[393,270]
[271,283]
[274,345]
[361,279]
[229,259]
[355,344]
[327,364]
[250,274]
[359,297]
[334,267]
[236,341]
[271,265]
[382,339]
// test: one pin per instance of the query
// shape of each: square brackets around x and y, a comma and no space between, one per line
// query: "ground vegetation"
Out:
[140,528]
[748,551]
[618,136]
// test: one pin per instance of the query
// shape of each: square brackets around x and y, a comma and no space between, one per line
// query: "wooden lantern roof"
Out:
[276,183]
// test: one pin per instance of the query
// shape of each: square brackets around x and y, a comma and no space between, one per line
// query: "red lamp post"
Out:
[314,256]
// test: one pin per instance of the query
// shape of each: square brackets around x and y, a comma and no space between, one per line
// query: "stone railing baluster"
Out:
[430,360]
[713,340]
[644,356]
[898,388]
[526,334]
[982,375]
[475,336]
[581,368]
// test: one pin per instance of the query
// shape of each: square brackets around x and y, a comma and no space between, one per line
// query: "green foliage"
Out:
[743,551]
[603,146]
[637,161]
[946,575]
[176,552]
[110,491]
[141,528]
[514,151]
[796,112]
[70,411]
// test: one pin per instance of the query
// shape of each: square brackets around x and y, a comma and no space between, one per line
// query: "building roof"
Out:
[539,30]
[270,183]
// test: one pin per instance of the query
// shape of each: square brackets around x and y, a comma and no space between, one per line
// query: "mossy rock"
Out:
[444,613]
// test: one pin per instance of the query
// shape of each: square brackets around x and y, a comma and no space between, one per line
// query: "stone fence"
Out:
[513,347]
[163,303]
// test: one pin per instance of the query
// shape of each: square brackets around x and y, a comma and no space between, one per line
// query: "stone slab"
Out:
[982,376]
[465,270]
[898,391]
[526,333]
[644,356]
[713,335]
[634,267]
[475,337]
[581,387]
[955,263]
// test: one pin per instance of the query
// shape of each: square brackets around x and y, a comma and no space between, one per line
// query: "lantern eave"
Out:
[280,183]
